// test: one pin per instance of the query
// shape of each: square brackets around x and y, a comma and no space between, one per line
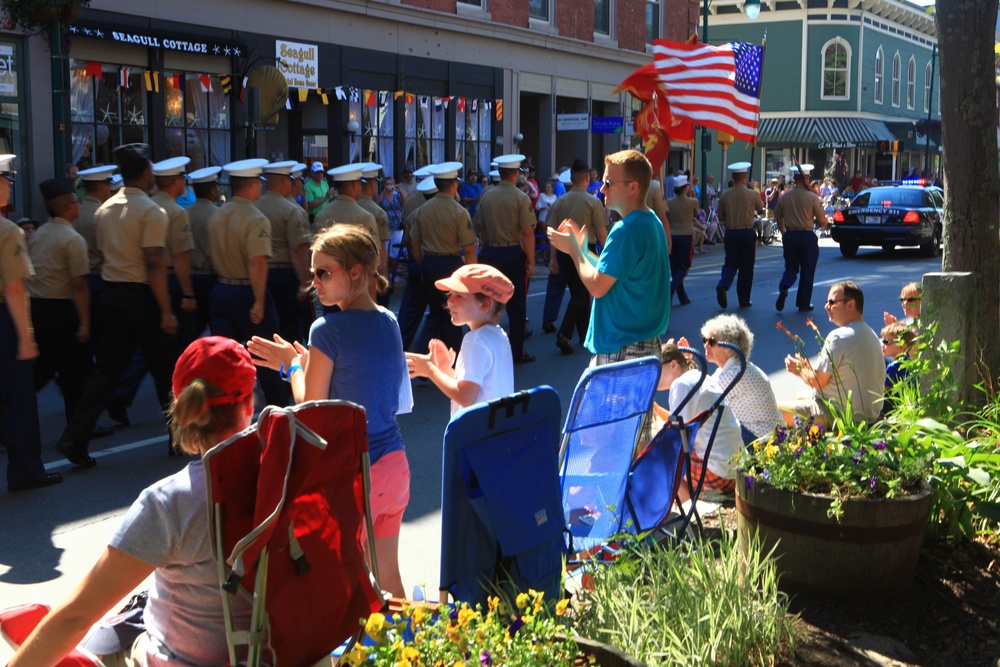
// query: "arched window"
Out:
[896,71]
[927,88]
[836,70]
[879,75]
[911,84]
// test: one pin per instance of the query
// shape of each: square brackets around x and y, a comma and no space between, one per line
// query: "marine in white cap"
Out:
[171,183]
[344,209]
[366,200]
[505,225]
[682,209]
[288,269]
[318,192]
[19,427]
[738,208]
[797,213]
[298,194]
[414,300]
[97,190]
[206,186]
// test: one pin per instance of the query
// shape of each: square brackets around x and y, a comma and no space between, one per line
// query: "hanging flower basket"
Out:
[35,15]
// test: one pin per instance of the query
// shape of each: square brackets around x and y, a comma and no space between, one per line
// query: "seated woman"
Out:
[679,376]
[909,297]
[752,399]
[166,533]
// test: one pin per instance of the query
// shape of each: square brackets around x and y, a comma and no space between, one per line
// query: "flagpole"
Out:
[760,94]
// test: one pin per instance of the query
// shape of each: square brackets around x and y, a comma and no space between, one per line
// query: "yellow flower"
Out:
[356,657]
[403,663]
[522,600]
[419,615]
[492,602]
[411,654]
[376,627]
[770,451]
[465,615]
[561,607]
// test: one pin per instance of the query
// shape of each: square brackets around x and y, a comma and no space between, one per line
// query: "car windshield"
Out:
[887,197]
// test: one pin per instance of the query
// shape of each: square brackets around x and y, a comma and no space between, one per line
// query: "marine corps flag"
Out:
[655,123]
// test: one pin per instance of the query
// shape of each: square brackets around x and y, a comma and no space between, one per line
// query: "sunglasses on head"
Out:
[324,274]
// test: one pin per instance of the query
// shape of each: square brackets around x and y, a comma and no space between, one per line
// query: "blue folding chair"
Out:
[599,439]
[501,515]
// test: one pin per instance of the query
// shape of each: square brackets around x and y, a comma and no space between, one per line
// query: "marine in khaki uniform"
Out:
[366,200]
[505,224]
[441,235]
[97,185]
[205,183]
[60,296]
[797,212]
[344,208]
[171,182]
[414,300]
[19,430]
[135,306]
[738,208]
[288,279]
[239,241]
[681,210]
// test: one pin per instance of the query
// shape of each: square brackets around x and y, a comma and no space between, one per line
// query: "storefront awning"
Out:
[823,133]
[912,141]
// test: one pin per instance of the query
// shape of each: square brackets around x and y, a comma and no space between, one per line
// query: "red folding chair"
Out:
[17,623]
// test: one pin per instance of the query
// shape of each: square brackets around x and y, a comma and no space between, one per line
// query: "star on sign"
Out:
[226,51]
[215,49]
[86,31]
[73,29]
[99,34]
[107,115]
[236,52]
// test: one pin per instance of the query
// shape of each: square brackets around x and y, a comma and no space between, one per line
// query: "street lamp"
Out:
[752,9]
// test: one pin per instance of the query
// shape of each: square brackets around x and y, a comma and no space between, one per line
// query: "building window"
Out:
[911,84]
[836,70]
[108,109]
[474,3]
[539,9]
[197,119]
[879,75]
[653,21]
[602,17]
[928,75]
[424,121]
[373,111]
[896,67]
[473,134]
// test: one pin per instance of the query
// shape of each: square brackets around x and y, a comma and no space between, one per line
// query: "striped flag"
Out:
[152,81]
[227,83]
[713,86]
[206,83]
[123,77]
[499,114]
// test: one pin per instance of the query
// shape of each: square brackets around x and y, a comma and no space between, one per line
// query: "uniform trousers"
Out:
[60,355]
[19,431]
[230,318]
[681,254]
[202,284]
[741,252]
[555,288]
[510,261]
[131,320]
[801,250]
[283,285]
[185,321]
[438,322]
[577,315]
[412,304]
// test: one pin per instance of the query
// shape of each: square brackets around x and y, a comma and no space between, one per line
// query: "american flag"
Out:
[713,86]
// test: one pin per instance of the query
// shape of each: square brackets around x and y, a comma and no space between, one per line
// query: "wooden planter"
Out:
[870,553]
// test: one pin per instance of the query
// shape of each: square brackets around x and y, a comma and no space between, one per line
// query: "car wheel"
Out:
[932,249]
[848,248]
[888,247]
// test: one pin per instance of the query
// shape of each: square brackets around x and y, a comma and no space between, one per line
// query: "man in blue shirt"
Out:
[470,191]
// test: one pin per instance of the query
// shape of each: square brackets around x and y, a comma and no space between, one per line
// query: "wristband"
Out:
[287,375]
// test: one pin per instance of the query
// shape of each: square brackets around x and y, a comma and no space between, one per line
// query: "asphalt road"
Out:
[51,537]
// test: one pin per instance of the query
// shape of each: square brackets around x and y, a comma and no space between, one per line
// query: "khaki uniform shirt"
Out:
[655,201]
[502,215]
[236,233]
[682,211]
[344,210]
[737,206]
[15,262]
[798,209]
[582,208]
[59,254]
[289,226]
[442,226]
[199,213]
[126,223]
[381,217]
[179,237]
[84,225]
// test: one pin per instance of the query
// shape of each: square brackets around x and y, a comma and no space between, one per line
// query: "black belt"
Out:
[443,254]
[504,245]
[200,272]
[280,265]
[234,281]
[736,229]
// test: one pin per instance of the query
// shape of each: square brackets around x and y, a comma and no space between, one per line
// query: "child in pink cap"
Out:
[484,369]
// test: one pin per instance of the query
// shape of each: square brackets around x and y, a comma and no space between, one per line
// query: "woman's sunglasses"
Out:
[324,274]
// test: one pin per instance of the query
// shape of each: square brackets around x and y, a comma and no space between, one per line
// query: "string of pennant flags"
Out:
[297,96]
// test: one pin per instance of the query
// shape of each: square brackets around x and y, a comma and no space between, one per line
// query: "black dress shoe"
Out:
[548,327]
[746,305]
[721,297]
[50,479]
[525,358]
[528,333]
[806,309]
[119,415]
[685,301]
[564,345]
[101,432]
[782,295]
[76,455]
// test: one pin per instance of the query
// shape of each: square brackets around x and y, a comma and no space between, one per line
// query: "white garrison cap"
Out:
[206,175]
[494,175]
[493,165]
[445,170]
[117,181]
[511,161]
[283,168]
[298,169]
[346,173]
[804,169]
[427,186]
[423,172]
[564,177]
[739,167]
[5,163]
[370,170]
[102,173]
[680,181]
[246,168]
[173,166]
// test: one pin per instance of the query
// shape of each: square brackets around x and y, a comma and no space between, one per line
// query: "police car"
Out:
[907,213]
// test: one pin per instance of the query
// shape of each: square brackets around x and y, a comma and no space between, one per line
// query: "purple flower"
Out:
[879,446]
[749,482]
[798,452]
[856,460]
[782,434]
[515,625]
[766,477]
[874,481]
[863,450]
[453,615]
[485,659]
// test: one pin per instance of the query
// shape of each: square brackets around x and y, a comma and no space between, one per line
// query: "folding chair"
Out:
[501,514]
[599,439]
[288,497]
[16,623]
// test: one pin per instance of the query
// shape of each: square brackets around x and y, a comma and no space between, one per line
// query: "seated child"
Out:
[484,370]
[898,340]
[679,375]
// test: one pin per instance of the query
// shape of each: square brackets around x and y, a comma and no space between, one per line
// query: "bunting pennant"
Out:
[410,98]
[322,96]
[369,98]
[446,101]
[94,69]
[438,104]
[288,101]
[152,81]
[206,83]
[383,99]
[341,95]
[461,105]
[303,94]
[227,83]
[243,88]
[397,94]
[424,101]
[355,94]
[177,80]
[499,114]
[475,106]
[123,77]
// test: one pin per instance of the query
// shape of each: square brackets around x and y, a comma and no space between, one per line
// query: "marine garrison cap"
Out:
[206,175]
[98,174]
[511,161]
[173,166]
[117,180]
[427,186]
[494,174]
[7,166]
[57,187]
[280,168]
[346,173]
[246,168]
[423,172]
[370,170]
[298,169]
[803,169]
[445,171]
[680,181]
[565,177]
[740,167]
